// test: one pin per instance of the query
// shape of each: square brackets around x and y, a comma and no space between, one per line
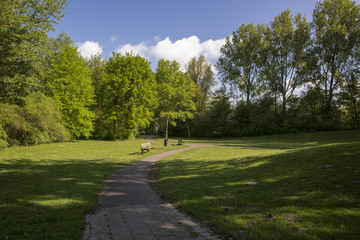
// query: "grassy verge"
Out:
[248,193]
[46,190]
[284,141]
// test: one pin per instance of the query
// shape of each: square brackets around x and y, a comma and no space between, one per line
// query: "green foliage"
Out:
[288,39]
[200,72]
[176,92]
[37,122]
[3,136]
[68,82]
[240,63]
[337,33]
[219,114]
[128,95]
[23,44]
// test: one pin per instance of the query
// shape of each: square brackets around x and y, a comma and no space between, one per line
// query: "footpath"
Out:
[129,209]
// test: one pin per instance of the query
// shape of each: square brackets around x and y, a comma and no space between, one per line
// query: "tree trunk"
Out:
[114,128]
[188,129]
[167,128]
[356,114]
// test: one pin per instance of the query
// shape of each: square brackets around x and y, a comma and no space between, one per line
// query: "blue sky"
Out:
[175,30]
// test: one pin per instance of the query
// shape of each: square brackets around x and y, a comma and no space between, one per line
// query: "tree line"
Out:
[293,75]
[285,76]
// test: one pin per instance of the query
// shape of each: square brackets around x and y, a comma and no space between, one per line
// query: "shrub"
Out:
[37,122]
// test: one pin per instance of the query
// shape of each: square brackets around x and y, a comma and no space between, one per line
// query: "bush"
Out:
[3,136]
[37,122]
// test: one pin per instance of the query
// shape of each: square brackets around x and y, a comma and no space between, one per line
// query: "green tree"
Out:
[23,43]
[336,25]
[350,96]
[240,63]
[129,93]
[200,72]
[219,113]
[288,39]
[175,93]
[68,82]
[97,65]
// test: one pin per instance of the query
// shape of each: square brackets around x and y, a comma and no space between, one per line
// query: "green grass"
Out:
[254,193]
[46,190]
[284,141]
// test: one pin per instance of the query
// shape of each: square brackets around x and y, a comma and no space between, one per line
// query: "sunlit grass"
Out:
[46,190]
[286,141]
[255,193]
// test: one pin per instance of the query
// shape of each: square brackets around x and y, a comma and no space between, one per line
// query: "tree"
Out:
[200,72]
[350,96]
[240,63]
[219,112]
[68,82]
[288,40]
[175,93]
[336,25]
[128,95]
[23,44]
[97,66]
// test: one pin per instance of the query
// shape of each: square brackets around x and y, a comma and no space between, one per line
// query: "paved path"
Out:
[130,209]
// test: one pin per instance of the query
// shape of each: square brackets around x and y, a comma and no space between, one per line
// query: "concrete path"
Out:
[130,208]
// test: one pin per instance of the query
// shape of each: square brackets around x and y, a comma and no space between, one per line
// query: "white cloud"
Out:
[89,48]
[114,38]
[181,50]
[140,49]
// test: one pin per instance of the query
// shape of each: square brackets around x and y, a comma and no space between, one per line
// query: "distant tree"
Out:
[350,96]
[219,113]
[97,67]
[240,63]
[336,25]
[129,94]
[175,93]
[200,72]
[68,82]
[288,40]
[23,44]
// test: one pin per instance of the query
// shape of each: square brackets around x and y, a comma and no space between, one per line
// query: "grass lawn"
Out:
[46,190]
[284,141]
[309,192]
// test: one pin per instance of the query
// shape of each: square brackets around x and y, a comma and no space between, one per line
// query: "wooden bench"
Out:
[146,146]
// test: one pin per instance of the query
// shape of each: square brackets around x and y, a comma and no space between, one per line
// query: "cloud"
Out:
[114,38]
[140,49]
[89,48]
[181,50]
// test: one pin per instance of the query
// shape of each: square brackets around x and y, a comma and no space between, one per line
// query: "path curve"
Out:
[129,209]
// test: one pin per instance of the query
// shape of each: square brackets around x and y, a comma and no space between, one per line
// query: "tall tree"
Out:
[23,44]
[350,96]
[240,61]
[336,25]
[200,72]
[129,94]
[97,65]
[288,41]
[175,93]
[68,81]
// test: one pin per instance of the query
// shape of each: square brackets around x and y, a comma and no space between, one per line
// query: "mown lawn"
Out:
[46,190]
[286,141]
[309,192]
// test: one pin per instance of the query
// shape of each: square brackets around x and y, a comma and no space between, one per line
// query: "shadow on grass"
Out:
[310,193]
[44,200]
[287,141]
